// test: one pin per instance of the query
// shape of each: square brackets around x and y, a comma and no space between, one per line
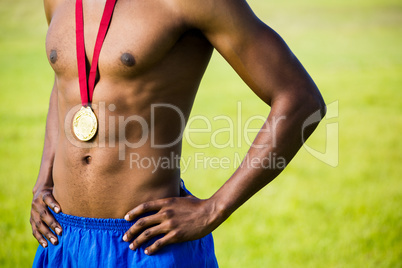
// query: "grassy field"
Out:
[314,214]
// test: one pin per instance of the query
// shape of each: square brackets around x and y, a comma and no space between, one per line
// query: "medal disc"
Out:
[85,124]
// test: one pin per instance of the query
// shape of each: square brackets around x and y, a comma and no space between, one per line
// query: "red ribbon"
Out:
[87,86]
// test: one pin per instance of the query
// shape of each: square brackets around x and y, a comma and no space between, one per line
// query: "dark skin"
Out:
[166,47]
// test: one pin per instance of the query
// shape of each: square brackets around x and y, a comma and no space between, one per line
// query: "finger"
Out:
[160,243]
[146,207]
[44,230]
[38,236]
[51,202]
[50,221]
[145,236]
[142,224]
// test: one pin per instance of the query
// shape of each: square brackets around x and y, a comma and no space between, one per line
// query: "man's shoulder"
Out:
[197,12]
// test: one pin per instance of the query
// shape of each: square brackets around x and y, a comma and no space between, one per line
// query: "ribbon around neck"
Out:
[87,85]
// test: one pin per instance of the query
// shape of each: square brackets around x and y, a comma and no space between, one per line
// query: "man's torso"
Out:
[149,56]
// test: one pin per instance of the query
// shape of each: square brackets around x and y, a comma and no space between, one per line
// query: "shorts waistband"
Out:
[99,223]
[92,223]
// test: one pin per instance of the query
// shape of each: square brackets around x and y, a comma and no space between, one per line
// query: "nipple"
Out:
[53,56]
[127,59]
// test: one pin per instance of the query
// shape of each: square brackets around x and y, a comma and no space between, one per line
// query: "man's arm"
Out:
[264,61]
[41,219]
[271,70]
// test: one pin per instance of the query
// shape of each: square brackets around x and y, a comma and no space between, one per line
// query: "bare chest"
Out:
[140,35]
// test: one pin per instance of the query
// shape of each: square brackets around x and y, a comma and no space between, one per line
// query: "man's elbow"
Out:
[316,104]
[301,104]
[312,110]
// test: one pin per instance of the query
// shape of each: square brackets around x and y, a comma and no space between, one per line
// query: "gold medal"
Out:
[85,124]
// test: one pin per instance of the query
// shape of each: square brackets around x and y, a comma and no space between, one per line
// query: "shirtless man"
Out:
[156,52]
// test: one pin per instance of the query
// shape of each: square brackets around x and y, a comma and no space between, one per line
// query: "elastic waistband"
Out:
[92,223]
[99,223]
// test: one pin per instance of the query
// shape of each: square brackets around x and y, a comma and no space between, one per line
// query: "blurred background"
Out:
[341,209]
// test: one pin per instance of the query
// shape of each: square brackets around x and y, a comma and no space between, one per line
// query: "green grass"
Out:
[313,215]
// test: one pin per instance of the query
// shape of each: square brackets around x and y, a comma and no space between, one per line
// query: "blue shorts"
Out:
[94,242]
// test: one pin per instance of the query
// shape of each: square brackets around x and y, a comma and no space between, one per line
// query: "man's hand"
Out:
[42,219]
[179,219]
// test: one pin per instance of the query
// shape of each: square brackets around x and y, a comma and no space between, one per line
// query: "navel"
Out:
[127,59]
[87,159]
[53,56]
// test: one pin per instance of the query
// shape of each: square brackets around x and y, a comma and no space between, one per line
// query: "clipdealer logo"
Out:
[236,130]
[330,155]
